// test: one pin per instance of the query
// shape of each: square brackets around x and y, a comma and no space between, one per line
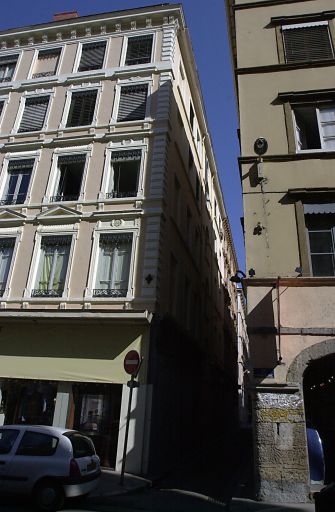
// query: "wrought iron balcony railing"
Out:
[62,197]
[109,292]
[53,292]
[115,193]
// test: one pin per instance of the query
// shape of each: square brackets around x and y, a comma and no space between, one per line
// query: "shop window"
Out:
[6,255]
[7,67]
[139,50]
[47,63]
[52,266]
[34,114]
[37,444]
[133,102]
[125,173]
[70,170]
[112,277]
[17,181]
[315,127]
[307,42]
[82,108]
[92,56]
[321,237]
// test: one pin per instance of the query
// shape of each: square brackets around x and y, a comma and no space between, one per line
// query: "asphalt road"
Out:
[155,500]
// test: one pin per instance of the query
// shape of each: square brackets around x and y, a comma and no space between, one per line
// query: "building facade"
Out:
[283,57]
[113,235]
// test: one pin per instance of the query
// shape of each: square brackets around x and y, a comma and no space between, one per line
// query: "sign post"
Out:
[132,364]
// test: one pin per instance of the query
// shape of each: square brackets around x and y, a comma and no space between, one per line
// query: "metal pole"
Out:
[131,387]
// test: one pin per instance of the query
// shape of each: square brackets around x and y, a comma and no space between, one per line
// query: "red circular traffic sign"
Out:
[132,362]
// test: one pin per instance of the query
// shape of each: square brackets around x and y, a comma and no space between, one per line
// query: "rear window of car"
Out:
[7,439]
[82,446]
[35,443]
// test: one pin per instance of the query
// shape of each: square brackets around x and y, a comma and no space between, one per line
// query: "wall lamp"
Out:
[236,278]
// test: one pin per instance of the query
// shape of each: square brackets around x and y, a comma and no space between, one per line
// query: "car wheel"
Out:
[49,496]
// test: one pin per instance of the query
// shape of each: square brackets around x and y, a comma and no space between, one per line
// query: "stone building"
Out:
[283,57]
[113,236]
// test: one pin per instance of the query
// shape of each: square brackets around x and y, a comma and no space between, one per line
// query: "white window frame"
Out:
[81,88]
[54,173]
[95,260]
[118,86]
[295,125]
[71,230]
[13,52]
[35,58]
[5,99]
[107,173]
[80,49]
[4,173]
[307,231]
[17,234]
[137,34]
[34,94]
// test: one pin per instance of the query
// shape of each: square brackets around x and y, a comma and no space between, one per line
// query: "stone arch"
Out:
[298,366]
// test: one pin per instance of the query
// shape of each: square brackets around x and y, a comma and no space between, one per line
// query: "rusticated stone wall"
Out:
[282,472]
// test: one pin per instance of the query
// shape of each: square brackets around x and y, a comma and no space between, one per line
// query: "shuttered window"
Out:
[7,67]
[133,102]
[47,63]
[92,56]
[82,108]
[34,113]
[139,50]
[307,43]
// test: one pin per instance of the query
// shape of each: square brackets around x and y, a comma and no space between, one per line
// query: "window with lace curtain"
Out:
[52,266]
[112,277]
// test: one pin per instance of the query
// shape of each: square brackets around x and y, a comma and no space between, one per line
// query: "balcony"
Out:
[109,292]
[53,292]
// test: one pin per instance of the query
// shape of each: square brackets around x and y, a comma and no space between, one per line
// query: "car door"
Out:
[9,439]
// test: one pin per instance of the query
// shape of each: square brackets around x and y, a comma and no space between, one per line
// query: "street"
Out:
[157,500]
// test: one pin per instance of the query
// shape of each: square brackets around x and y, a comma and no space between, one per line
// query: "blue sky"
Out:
[207,25]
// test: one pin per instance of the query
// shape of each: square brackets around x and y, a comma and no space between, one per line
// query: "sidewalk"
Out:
[109,484]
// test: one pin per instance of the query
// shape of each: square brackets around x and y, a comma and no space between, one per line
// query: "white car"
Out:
[49,463]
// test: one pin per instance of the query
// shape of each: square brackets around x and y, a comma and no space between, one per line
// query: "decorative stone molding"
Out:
[300,363]
[159,167]
[73,34]
[117,27]
[16,43]
[3,45]
[148,22]
[152,255]
[30,40]
[59,36]
[44,38]
[133,25]
[103,29]
[88,31]
[169,41]
[164,96]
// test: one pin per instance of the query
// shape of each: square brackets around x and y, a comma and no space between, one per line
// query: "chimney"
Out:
[60,16]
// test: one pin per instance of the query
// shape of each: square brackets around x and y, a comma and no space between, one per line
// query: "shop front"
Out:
[71,376]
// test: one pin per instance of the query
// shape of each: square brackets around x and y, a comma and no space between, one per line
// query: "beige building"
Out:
[113,236]
[283,57]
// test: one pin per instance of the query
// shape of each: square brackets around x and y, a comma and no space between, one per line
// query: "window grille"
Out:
[133,102]
[34,113]
[139,50]
[92,56]
[82,108]
[307,43]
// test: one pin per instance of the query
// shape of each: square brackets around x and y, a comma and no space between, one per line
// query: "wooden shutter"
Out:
[139,50]
[46,64]
[82,108]
[34,113]
[92,56]
[307,43]
[133,102]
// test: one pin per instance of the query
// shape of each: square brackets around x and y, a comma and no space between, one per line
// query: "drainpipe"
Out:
[279,357]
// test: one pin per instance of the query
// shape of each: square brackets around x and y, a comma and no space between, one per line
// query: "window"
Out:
[192,117]
[6,254]
[70,170]
[315,127]
[133,102]
[82,446]
[190,159]
[17,182]
[176,199]
[113,265]
[307,42]
[47,62]
[52,266]
[92,56]
[7,67]
[321,237]
[37,444]
[139,50]
[197,188]
[34,113]
[2,102]
[125,173]
[7,440]
[82,108]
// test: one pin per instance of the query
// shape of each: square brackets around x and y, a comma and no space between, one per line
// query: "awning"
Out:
[319,208]
[304,25]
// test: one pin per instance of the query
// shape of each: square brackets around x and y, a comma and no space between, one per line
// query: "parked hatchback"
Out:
[49,463]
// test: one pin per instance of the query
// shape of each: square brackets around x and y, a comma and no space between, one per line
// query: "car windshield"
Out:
[7,439]
[82,446]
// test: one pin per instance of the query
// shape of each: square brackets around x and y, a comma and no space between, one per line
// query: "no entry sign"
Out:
[132,362]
